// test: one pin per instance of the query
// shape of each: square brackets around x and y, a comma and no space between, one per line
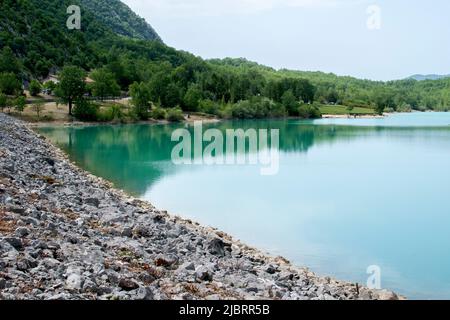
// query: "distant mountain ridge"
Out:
[423,77]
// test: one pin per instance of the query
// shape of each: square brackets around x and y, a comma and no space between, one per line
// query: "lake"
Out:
[350,193]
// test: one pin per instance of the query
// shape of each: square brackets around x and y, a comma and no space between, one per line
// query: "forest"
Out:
[125,57]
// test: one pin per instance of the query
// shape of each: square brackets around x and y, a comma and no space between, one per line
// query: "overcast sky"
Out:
[380,39]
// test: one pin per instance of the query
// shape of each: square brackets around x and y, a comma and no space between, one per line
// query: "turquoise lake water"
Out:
[350,193]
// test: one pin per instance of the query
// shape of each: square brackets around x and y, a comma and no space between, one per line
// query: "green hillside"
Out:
[120,19]
[123,52]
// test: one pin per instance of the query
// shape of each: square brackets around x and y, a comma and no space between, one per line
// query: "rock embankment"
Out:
[65,234]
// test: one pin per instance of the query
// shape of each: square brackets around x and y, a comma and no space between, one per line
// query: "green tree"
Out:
[173,96]
[72,85]
[20,103]
[350,109]
[118,66]
[9,84]
[379,109]
[140,99]
[38,107]
[383,98]
[104,84]
[332,96]
[8,61]
[306,90]
[192,98]
[50,86]
[307,111]
[290,103]
[35,88]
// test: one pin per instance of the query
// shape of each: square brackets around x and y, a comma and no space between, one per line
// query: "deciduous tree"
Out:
[72,85]
[35,88]
[104,84]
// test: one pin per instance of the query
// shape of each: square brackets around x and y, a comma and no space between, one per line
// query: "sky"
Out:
[378,39]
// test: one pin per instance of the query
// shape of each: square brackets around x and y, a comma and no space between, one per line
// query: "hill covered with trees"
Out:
[122,53]
[402,95]
[120,19]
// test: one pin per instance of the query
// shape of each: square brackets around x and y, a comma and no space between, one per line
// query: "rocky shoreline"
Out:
[65,234]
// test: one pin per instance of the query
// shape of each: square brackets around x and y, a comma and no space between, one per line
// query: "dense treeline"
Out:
[401,95]
[163,82]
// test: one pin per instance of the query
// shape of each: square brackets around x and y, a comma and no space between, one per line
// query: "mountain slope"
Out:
[120,19]
[36,32]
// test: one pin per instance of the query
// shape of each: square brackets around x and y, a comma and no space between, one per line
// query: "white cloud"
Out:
[219,7]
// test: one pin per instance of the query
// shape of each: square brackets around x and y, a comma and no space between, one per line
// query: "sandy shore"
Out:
[347,116]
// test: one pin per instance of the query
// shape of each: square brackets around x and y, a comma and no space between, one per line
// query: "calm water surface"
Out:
[349,194]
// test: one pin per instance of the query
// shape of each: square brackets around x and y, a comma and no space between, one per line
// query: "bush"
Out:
[307,111]
[110,113]
[175,115]
[85,110]
[404,108]
[38,107]
[243,110]
[48,118]
[209,107]
[35,88]
[49,86]
[3,101]
[442,108]
[421,108]
[141,113]
[257,108]
[158,114]
[278,111]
